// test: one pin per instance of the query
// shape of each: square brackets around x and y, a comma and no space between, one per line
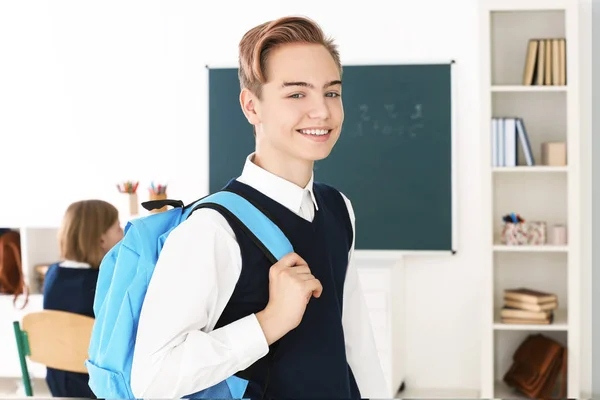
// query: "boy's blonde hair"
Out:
[256,44]
[82,227]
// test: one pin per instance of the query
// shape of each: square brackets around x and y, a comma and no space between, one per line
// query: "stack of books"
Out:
[507,133]
[546,62]
[528,306]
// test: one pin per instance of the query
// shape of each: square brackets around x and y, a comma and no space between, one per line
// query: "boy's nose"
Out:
[320,110]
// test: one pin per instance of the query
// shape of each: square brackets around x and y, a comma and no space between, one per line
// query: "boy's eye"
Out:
[300,95]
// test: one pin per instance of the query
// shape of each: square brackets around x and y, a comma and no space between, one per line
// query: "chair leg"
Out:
[23,349]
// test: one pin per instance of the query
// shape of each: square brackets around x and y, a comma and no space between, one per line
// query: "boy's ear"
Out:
[249,104]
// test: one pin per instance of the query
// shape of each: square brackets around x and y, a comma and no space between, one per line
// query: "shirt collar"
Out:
[282,191]
[74,264]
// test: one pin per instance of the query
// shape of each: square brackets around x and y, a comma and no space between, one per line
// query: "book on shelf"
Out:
[528,295]
[522,305]
[545,62]
[508,136]
[516,313]
[517,321]
[528,306]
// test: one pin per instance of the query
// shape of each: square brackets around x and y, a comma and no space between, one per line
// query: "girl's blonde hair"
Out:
[82,227]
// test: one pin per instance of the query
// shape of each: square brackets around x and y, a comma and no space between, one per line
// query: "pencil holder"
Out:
[127,206]
[536,233]
[160,196]
[514,234]
[128,200]
[133,203]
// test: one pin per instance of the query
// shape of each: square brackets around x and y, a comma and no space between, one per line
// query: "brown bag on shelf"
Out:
[11,270]
[537,365]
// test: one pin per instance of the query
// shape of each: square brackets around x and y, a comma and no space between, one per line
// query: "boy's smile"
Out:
[316,134]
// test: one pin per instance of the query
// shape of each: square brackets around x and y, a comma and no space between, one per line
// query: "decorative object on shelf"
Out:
[129,188]
[514,231]
[536,232]
[539,364]
[545,62]
[158,192]
[558,235]
[554,154]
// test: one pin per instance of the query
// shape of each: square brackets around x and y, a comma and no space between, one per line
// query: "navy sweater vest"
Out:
[70,290]
[310,361]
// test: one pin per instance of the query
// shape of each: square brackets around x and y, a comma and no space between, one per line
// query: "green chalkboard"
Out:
[393,159]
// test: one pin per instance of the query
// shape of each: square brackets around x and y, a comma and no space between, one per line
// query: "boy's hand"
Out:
[291,285]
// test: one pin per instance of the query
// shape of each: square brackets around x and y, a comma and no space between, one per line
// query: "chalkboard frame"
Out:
[387,253]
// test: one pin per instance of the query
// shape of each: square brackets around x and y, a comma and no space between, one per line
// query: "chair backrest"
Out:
[58,339]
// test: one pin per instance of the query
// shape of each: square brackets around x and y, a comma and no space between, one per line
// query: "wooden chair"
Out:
[56,339]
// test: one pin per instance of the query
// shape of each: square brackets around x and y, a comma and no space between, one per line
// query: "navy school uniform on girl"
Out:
[223,279]
[70,286]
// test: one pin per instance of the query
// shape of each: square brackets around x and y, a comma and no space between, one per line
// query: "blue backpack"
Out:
[123,280]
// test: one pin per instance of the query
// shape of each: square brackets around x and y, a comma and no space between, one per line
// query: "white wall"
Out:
[99,88]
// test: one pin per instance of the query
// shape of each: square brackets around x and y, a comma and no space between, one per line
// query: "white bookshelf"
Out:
[538,193]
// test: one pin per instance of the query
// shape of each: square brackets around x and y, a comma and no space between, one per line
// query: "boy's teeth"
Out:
[314,131]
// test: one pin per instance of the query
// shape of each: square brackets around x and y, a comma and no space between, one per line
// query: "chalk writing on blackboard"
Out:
[387,120]
[391,111]
[417,113]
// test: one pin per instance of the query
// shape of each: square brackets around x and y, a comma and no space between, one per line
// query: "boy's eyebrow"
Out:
[310,85]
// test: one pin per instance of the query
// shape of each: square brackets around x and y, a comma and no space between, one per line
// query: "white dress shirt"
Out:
[74,264]
[177,352]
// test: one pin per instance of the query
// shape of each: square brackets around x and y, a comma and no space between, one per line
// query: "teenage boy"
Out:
[215,305]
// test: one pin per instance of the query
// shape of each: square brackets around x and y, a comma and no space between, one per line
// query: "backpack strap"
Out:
[255,223]
[265,234]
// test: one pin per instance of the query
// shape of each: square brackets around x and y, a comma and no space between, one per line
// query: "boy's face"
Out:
[300,112]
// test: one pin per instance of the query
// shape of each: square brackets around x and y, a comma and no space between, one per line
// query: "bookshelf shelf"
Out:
[530,169]
[530,93]
[502,391]
[523,88]
[531,249]
[560,323]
